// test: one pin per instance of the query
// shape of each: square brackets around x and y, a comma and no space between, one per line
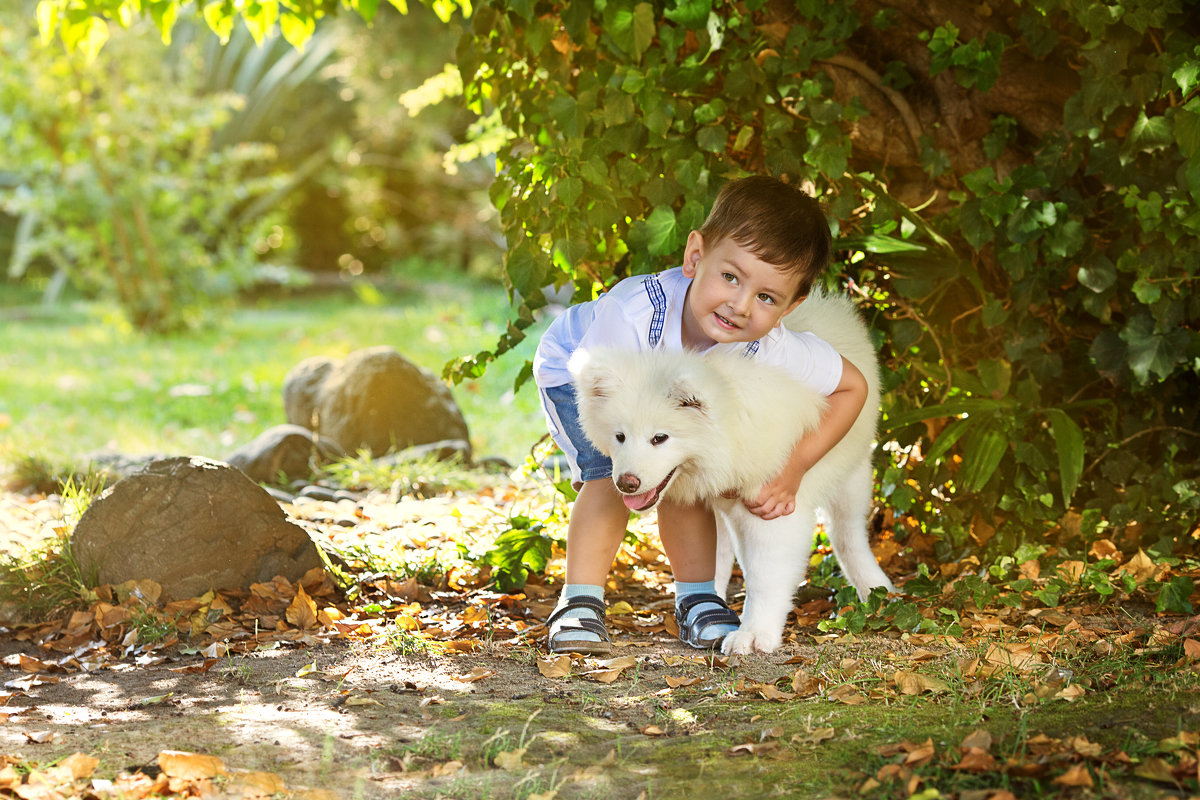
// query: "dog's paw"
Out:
[742,642]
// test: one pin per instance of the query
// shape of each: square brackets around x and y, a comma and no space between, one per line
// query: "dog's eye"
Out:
[659,438]
[620,438]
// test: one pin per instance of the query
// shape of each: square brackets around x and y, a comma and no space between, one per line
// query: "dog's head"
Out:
[647,411]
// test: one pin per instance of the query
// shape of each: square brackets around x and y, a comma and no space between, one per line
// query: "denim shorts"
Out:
[562,418]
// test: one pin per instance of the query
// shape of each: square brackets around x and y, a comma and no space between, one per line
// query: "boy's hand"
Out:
[777,498]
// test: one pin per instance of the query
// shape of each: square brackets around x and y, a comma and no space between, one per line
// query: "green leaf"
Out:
[1152,352]
[1174,596]
[983,451]
[1068,438]
[689,13]
[663,231]
[1148,134]
[645,27]
[1186,127]
[1097,273]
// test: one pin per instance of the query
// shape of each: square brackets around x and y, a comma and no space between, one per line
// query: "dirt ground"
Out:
[381,719]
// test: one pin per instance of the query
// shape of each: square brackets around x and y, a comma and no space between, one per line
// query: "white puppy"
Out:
[696,427]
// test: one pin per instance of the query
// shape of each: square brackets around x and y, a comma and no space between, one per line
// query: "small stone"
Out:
[319,493]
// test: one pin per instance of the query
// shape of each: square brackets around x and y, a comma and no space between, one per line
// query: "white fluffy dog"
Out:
[696,427]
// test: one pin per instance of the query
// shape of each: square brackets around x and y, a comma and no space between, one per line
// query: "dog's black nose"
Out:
[628,483]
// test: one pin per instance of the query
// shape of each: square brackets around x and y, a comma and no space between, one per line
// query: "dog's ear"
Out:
[683,393]
[594,374]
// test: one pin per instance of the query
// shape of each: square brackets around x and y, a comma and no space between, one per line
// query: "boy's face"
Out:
[735,296]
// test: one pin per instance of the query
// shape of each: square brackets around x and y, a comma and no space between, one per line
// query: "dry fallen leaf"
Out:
[754,749]
[303,611]
[913,683]
[1077,776]
[675,683]
[848,694]
[653,730]
[477,674]
[190,766]
[555,666]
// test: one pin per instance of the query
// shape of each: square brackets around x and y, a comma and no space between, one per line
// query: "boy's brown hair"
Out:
[776,222]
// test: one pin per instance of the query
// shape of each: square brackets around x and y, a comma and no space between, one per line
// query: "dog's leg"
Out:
[774,556]
[848,533]
[725,547]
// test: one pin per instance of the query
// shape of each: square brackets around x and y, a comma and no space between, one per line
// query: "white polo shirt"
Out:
[646,312]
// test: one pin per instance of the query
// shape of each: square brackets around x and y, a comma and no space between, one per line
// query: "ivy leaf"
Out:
[689,13]
[1186,127]
[663,230]
[1148,134]
[1151,352]
[1174,594]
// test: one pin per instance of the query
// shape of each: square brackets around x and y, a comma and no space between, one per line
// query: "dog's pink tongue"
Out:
[636,502]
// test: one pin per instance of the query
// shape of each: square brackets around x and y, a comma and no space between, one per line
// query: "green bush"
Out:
[119,184]
[1015,197]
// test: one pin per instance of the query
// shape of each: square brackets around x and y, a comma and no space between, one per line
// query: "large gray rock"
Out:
[375,399]
[190,524]
[290,451]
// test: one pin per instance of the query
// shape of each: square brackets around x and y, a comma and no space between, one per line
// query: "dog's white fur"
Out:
[695,427]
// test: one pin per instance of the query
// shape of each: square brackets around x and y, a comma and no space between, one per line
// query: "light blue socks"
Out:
[570,590]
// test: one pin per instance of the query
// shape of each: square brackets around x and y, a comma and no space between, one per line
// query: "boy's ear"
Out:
[692,253]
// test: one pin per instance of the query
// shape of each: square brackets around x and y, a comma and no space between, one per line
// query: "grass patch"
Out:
[75,380]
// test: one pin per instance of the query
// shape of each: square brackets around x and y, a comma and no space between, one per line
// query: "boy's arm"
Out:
[778,497]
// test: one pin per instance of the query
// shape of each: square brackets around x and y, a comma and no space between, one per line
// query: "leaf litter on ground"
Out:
[417,574]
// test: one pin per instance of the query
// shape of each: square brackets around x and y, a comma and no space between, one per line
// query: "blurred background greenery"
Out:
[180,225]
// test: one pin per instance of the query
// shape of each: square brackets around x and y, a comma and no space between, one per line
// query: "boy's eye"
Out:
[766,298]
[729,276]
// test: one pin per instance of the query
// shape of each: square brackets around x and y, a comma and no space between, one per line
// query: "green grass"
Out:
[75,380]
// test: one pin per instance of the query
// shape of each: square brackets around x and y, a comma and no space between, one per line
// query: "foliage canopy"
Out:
[1014,186]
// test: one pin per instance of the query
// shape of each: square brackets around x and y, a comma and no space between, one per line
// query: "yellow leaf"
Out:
[620,608]
[653,730]
[190,766]
[510,759]
[477,674]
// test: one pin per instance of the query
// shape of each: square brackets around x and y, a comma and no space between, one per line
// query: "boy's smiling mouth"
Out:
[725,322]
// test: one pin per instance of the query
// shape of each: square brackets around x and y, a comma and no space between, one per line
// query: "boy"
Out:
[752,262]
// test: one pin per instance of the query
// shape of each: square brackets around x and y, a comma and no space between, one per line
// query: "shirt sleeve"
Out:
[809,358]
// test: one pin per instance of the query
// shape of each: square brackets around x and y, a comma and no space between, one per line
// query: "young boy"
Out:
[752,262]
